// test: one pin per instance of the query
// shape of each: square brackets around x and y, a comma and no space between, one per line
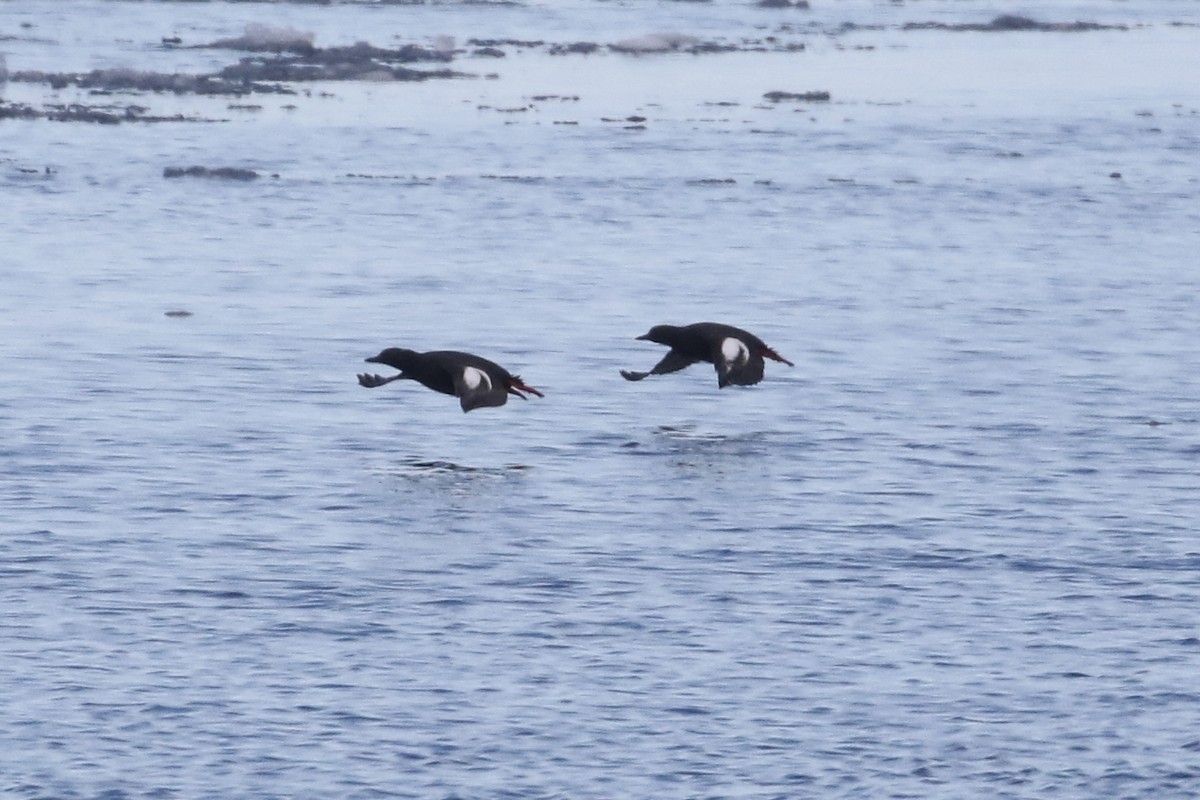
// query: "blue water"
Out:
[952,553]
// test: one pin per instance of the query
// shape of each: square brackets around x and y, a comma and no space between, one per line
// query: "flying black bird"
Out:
[475,381]
[736,354]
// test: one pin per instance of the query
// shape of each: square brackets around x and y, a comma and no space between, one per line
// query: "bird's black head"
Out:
[662,334]
[396,357]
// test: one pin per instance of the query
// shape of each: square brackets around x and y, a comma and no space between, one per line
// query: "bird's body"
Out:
[475,381]
[736,354]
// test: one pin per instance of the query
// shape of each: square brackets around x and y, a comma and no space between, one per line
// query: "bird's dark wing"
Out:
[737,361]
[740,373]
[671,362]
[477,388]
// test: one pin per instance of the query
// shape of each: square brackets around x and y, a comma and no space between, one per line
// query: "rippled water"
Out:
[953,552]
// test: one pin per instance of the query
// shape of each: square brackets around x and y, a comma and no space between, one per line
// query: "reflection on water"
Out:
[417,467]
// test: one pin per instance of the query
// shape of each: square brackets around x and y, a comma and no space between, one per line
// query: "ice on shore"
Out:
[655,43]
[258,37]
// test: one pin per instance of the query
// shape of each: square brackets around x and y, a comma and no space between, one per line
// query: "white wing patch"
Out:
[734,351]
[474,377]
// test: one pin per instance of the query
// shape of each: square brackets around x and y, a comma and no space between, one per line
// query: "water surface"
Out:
[953,551]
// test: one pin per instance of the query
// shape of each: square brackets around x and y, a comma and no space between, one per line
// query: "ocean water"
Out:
[953,552]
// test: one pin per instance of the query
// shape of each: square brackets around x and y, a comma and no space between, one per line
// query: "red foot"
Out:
[516,387]
[771,354]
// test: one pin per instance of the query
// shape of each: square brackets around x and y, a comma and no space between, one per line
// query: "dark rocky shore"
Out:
[261,74]
[278,59]
[108,114]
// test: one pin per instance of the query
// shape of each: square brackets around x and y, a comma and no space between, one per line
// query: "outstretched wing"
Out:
[671,362]
[369,381]
[476,389]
